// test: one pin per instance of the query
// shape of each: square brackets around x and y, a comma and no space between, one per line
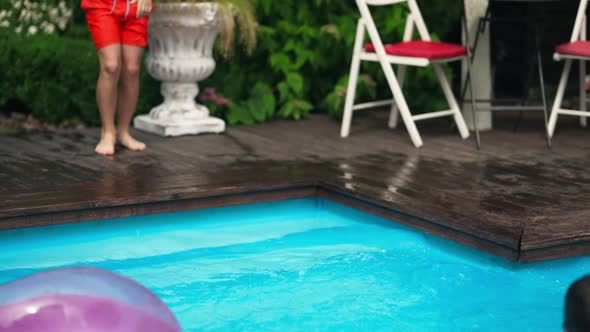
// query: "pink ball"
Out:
[84,300]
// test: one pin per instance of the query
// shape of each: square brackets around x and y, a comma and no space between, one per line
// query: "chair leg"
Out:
[352,80]
[469,81]
[583,107]
[394,113]
[386,66]
[543,96]
[559,96]
[531,55]
[401,103]
[461,126]
[481,26]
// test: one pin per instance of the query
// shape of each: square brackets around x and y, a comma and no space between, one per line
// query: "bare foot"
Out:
[106,146]
[131,143]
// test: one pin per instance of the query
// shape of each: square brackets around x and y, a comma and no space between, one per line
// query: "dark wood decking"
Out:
[515,198]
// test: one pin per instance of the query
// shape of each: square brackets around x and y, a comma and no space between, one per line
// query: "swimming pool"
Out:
[307,264]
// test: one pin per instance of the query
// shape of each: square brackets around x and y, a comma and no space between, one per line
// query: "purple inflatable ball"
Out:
[81,299]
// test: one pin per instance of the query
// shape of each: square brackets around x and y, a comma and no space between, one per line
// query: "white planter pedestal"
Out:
[181,37]
[179,114]
[208,125]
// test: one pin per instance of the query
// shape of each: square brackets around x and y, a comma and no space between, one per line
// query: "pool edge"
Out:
[200,198]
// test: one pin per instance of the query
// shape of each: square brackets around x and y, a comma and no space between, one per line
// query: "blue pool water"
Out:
[303,265]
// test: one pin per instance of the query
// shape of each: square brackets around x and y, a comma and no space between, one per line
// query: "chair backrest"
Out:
[579,32]
[414,18]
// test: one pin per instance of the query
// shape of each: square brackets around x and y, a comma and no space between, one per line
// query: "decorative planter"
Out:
[181,37]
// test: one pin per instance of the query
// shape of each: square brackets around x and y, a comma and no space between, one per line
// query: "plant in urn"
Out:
[181,36]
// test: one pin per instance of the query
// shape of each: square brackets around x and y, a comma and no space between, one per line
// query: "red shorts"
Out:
[115,22]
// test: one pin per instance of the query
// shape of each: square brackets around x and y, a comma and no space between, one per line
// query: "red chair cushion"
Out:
[422,49]
[578,48]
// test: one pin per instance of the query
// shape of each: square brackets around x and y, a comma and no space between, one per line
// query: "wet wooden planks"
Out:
[514,198]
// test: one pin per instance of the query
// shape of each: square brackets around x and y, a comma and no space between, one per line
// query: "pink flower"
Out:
[221,101]
[211,95]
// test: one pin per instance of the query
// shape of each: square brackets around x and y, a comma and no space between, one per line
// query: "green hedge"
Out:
[301,65]
[304,55]
[45,74]
[55,77]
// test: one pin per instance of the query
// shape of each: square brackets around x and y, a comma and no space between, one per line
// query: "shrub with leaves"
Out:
[302,60]
[32,17]
[241,12]
[40,74]
[300,65]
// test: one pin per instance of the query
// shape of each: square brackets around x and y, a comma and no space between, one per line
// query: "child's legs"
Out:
[106,34]
[129,88]
[107,86]
[134,40]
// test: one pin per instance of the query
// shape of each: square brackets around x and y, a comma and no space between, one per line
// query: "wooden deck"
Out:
[514,198]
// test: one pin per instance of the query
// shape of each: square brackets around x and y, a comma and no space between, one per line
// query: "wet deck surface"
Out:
[514,198]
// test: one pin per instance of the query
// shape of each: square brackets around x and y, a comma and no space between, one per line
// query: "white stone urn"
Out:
[181,37]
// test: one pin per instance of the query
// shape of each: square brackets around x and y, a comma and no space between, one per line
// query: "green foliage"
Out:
[6,131]
[300,65]
[33,17]
[37,71]
[41,73]
[241,12]
[304,54]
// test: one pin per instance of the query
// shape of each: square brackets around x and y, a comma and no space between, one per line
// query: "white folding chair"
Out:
[419,53]
[577,49]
